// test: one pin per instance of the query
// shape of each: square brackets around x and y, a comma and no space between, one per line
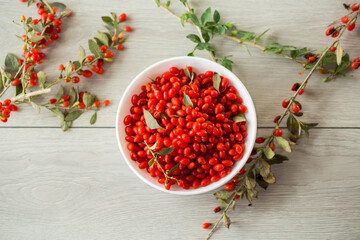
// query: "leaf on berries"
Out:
[36,38]
[282,142]
[269,153]
[239,117]
[57,113]
[188,74]
[36,107]
[65,125]
[103,38]
[264,168]
[162,115]
[94,48]
[205,17]
[339,54]
[224,194]
[151,121]
[151,162]
[73,115]
[68,69]
[72,96]
[41,78]
[93,118]
[173,169]
[77,65]
[60,93]
[38,27]
[216,81]
[11,62]
[226,221]
[270,178]
[193,37]
[2,82]
[88,99]
[165,151]
[277,159]
[81,54]
[187,101]
[107,19]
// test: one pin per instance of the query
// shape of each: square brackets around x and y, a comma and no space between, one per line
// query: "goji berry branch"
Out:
[269,139]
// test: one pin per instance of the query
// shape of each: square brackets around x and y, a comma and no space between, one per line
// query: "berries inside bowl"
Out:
[186,128]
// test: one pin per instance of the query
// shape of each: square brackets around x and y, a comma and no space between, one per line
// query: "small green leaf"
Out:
[73,116]
[11,62]
[72,96]
[36,38]
[239,117]
[288,48]
[193,37]
[283,143]
[157,2]
[81,54]
[107,19]
[68,69]
[194,19]
[36,107]
[165,151]
[187,101]
[57,113]
[216,16]
[94,48]
[224,194]
[60,93]
[205,35]
[293,126]
[167,4]
[103,38]
[18,89]
[345,64]
[269,153]
[262,34]
[41,78]
[151,121]
[173,169]
[226,62]
[88,99]
[184,18]
[205,17]
[65,125]
[162,115]
[151,162]
[183,2]
[216,81]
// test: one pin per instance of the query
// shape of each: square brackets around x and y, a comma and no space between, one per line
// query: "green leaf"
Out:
[216,16]
[246,48]
[194,19]
[151,162]
[94,48]
[272,50]
[173,169]
[60,93]
[165,151]
[205,17]
[248,36]
[293,127]
[167,4]
[77,65]
[88,99]
[187,101]
[183,2]
[57,113]
[38,27]
[73,116]
[288,48]
[41,78]
[239,117]
[193,37]
[68,69]
[299,52]
[81,54]
[107,20]
[18,90]
[151,121]
[339,53]
[72,95]
[36,38]
[205,35]
[226,221]
[226,62]
[306,127]
[269,153]
[224,194]
[345,64]
[162,115]
[277,159]
[184,18]
[103,38]
[65,125]
[273,45]
[11,62]
[216,81]
[283,143]
[262,34]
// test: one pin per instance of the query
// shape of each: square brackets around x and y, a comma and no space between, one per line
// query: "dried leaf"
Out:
[339,53]
[277,159]
[250,182]
[226,221]
[216,81]
[260,180]
[36,107]
[72,96]
[94,48]
[240,117]
[270,178]
[269,154]
[41,78]
[282,142]
[264,168]
[151,121]
[36,38]
[165,151]
[223,194]
[65,125]
[60,93]
[68,69]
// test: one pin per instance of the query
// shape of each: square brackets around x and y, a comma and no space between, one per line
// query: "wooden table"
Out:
[75,185]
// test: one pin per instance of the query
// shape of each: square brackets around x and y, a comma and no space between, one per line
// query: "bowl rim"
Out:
[211,186]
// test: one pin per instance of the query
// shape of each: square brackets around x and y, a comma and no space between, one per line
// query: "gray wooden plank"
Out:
[158,35]
[77,186]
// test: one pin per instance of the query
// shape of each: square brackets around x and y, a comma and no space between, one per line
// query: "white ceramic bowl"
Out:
[199,65]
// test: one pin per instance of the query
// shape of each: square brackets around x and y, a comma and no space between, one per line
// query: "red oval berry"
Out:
[295,108]
[96,103]
[229,186]
[128,29]
[285,103]
[122,17]
[87,73]
[15,82]
[355,7]
[52,101]
[106,103]
[259,140]
[278,132]
[351,26]
[109,54]
[206,225]
[354,65]
[103,48]
[345,19]
[276,118]
[332,49]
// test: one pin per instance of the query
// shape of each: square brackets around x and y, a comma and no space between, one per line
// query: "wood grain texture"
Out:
[75,185]
[159,35]
[79,187]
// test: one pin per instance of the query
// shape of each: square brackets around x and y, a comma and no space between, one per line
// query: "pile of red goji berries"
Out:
[206,139]
[5,109]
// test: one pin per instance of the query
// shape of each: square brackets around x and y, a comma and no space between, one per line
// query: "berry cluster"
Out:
[196,117]
[5,109]
[355,63]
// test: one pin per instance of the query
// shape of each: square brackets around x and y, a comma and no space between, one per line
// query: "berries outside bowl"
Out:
[198,159]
